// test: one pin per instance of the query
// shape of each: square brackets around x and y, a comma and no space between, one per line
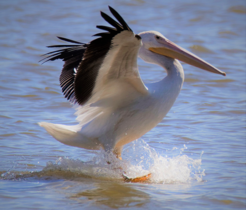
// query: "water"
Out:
[196,154]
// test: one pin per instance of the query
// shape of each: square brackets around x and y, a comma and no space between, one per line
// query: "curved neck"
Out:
[172,66]
[168,89]
[175,73]
[174,70]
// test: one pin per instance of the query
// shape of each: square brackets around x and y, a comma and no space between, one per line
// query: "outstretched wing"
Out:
[106,68]
[109,61]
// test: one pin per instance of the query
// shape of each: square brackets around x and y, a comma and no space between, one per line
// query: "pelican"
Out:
[114,106]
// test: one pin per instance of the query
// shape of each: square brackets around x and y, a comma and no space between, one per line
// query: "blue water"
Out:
[197,154]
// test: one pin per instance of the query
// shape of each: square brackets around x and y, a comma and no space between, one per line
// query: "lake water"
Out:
[196,155]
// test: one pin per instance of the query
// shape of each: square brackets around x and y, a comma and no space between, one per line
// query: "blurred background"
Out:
[197,153]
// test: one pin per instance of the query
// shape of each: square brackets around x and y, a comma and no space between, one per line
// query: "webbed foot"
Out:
[140,179]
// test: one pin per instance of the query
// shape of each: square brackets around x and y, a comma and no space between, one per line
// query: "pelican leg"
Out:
[146,178]
[117,151]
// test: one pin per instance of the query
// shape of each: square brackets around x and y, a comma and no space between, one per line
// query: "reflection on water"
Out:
[114,195]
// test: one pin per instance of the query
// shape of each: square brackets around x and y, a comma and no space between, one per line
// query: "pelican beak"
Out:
[174,51]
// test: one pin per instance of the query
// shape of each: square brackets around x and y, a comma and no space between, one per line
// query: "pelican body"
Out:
[113,105]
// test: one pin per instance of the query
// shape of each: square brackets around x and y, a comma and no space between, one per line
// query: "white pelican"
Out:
[115,107]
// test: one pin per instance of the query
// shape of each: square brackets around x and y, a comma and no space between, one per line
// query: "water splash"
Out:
[139,159]
[174,167]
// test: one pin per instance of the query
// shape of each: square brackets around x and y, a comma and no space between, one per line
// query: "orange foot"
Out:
[137,179]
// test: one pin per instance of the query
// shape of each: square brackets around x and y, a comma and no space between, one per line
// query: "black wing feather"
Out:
[68,40]
[94,55]
[120,19]
[72,56]
[86,59]
[60,46]
[106,28]
[111,21]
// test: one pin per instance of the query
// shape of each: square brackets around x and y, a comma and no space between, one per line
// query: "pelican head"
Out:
[154,43]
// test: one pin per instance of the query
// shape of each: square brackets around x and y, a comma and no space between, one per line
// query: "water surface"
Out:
[196,154]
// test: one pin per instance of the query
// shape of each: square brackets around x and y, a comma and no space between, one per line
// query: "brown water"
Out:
[197,154]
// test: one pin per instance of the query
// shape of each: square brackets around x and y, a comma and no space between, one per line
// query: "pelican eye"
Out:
[157,37]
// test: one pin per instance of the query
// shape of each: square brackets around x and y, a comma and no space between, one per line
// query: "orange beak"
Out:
[172,50]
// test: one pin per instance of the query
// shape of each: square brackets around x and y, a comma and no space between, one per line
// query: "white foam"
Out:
[138,159]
